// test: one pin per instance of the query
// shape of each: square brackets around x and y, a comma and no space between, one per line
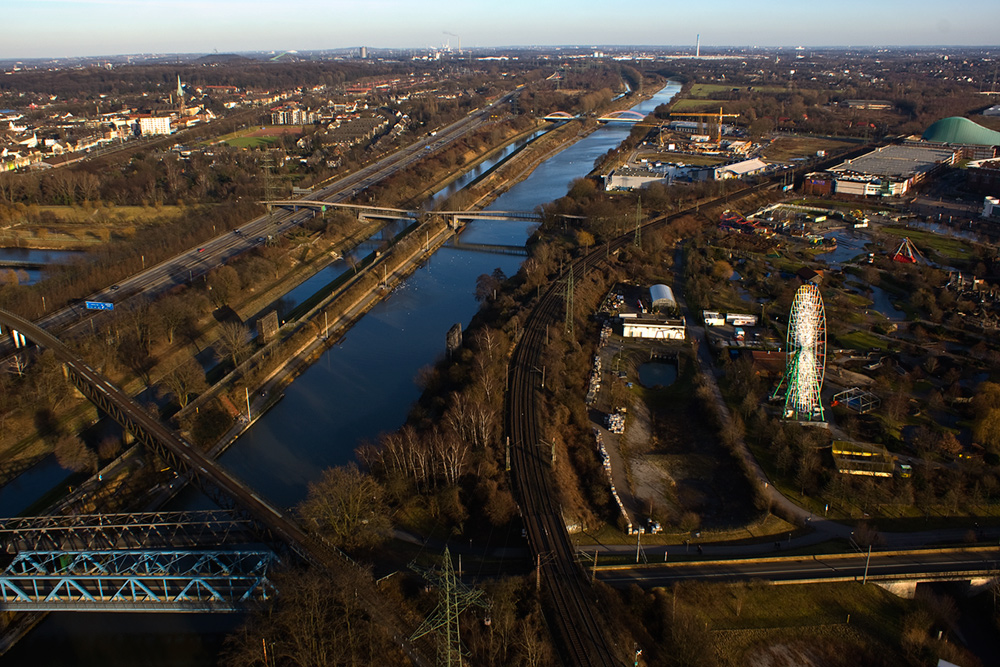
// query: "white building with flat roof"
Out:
[153,125]
[740,169]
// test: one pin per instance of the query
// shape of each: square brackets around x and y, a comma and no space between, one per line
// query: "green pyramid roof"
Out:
[958,130]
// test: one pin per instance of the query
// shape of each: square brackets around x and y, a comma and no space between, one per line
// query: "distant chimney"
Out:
[697,46]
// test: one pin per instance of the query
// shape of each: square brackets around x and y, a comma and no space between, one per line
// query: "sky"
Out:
[67,28]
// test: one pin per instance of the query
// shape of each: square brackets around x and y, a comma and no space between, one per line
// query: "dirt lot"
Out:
[786,148]
[668,460]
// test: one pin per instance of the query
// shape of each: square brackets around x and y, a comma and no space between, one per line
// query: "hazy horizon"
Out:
[105,28]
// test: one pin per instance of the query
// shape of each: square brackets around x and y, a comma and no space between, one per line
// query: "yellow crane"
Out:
[713,116]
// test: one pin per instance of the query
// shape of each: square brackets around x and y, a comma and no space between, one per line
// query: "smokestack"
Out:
[697,46]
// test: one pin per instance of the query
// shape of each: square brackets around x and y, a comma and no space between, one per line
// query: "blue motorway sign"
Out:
[99,305]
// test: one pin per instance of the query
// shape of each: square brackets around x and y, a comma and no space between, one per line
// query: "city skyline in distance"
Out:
[88,28]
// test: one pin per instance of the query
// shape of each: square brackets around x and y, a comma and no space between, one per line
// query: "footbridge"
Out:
[559,116]
[495,248]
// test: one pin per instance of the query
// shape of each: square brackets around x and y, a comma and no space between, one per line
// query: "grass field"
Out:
[697,105]
[251,142]
[786,148]
[861,340]
[947,248]
[88,214]
[703,90]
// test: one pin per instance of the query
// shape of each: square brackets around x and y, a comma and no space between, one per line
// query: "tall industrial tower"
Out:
[697,46]
[806,363]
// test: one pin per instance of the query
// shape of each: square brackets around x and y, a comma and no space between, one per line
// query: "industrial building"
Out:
[983,176]
[636,325]
[661,322]
[741,169]
[662,299]
[631,178]
[991,208]
[890,171]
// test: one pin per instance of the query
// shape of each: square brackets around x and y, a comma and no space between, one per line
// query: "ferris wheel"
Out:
[806,360]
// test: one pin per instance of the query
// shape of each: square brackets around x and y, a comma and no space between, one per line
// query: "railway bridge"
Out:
[210,477]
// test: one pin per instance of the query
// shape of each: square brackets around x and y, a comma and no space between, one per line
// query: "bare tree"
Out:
[18,364]
[73,453]
[234,341]
[317,620]
[173,313]
[347,506]
[223,285]
[186,379]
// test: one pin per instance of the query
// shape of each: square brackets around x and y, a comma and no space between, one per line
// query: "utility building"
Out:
[662,299]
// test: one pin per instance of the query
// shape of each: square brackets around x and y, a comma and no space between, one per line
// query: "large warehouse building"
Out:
[889,171]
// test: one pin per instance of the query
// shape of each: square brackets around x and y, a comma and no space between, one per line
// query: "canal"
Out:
[360,387]
[36,258]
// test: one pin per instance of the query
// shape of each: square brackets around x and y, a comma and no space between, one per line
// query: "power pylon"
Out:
[638,224]
[268,165]
[570,310]
[455,598]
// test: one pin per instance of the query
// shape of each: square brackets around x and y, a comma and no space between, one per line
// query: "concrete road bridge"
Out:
[388,213]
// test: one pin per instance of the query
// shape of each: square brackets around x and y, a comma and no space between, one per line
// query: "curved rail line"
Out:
[580,631]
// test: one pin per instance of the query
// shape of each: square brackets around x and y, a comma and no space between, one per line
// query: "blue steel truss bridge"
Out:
[152,561]
[135,580]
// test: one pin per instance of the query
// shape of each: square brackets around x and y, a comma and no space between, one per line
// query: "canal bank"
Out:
[268,390]
[358,388]
[364,386]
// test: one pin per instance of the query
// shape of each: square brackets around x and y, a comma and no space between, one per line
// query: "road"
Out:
[945,563]
[197,261]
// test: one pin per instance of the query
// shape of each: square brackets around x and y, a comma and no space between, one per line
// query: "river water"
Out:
[35,256]
[365,385]
[362,386]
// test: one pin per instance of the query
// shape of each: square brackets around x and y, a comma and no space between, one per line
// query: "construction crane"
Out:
[701,122]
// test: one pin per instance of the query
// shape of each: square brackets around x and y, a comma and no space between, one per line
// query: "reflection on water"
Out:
[34,256]
[850,244]
[657,374]
[882,301]
[28,487]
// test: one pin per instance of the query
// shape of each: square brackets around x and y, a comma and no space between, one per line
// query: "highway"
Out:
[883,566]
[197,261]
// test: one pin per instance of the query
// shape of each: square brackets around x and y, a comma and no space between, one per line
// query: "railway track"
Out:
[580,632]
